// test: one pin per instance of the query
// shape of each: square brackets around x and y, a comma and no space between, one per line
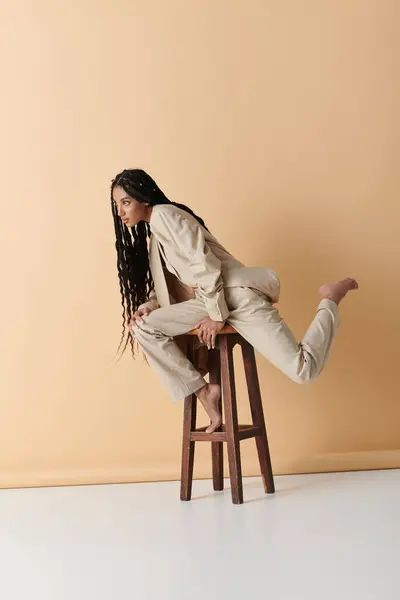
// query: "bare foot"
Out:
[338,290]
[209,396]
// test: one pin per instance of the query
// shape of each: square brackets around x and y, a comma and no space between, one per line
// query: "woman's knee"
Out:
[306,372]
[302,378]
[146,330]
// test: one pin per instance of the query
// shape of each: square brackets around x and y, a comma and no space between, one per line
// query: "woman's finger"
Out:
[213,341]
[208,338]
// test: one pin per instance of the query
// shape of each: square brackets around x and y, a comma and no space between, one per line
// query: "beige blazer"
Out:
[180,245]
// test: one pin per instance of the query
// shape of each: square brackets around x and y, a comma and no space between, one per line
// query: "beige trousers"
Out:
[256,319]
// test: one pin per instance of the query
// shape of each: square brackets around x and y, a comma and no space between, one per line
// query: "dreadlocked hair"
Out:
[135,279]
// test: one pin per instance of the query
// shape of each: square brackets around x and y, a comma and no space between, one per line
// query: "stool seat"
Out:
[231,432]
[225,330]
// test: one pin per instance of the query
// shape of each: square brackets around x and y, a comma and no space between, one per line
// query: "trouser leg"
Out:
[163,354]
[259,322]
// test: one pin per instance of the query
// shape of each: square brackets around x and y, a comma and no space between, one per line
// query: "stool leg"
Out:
[253,386]
[231,419]
[217,448]
[189,424]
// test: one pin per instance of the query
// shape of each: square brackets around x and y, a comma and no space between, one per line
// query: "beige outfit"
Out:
[188,261]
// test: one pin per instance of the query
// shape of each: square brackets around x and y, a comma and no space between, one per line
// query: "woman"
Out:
[175,276]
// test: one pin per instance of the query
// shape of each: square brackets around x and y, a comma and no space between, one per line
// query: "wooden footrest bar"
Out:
[245,432]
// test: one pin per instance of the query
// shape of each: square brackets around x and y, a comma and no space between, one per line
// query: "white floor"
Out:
[319,537]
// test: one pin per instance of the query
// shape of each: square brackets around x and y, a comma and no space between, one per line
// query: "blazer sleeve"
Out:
[187,236]
[151,302]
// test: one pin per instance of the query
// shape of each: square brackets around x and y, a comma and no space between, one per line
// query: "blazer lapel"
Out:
[157,272]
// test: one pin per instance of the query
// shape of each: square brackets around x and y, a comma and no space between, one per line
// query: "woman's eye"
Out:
[126,203]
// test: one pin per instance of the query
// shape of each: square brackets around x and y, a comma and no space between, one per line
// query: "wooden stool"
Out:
[221,366]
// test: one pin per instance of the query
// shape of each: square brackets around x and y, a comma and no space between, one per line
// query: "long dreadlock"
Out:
[135,279]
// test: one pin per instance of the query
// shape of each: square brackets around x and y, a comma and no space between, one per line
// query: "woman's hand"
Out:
[207,331]
[137,317]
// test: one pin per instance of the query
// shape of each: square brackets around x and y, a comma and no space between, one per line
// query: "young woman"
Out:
[175,276]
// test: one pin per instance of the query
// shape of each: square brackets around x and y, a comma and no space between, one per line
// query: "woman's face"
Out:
[130,211]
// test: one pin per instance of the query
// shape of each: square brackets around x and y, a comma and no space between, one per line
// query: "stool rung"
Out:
[202,436]
[248,431]
[245,432]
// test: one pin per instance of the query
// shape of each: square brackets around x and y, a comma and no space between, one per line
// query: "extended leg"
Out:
[259,322]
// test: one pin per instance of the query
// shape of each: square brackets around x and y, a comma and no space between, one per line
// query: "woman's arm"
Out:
[185,235]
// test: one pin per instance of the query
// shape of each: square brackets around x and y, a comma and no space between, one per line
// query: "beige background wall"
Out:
[278,122]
